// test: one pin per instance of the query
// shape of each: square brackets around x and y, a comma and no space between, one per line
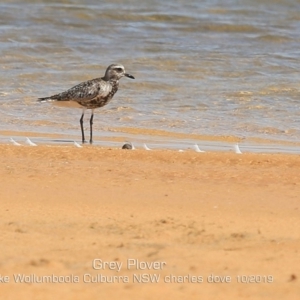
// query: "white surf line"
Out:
[197,149]
[29,142]
[237,149]
[77,145]
[14,142]
[146,147]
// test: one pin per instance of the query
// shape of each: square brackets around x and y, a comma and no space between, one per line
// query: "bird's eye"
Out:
[119,69]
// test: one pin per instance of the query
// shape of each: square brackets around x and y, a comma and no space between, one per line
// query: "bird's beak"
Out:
[129,76]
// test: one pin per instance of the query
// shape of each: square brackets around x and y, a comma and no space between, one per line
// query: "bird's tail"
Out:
[45,99]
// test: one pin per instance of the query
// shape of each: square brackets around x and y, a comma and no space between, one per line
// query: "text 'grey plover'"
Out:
[93,93]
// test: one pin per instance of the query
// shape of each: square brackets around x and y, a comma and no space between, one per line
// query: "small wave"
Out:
[273,38]
[216,27]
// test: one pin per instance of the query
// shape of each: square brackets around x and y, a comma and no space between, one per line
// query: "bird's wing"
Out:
[85,91]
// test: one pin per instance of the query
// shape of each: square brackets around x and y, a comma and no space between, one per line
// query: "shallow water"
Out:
[213,67]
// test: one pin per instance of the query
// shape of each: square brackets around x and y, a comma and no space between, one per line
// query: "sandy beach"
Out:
[91,223]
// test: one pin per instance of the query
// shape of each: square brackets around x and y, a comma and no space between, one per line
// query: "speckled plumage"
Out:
[93,93]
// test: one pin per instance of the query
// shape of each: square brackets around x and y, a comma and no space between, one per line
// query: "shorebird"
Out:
[92,94]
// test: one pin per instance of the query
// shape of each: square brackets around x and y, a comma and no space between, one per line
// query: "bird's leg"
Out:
[91,127]
[81,126]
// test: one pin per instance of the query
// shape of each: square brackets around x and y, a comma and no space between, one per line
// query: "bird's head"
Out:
[116,72]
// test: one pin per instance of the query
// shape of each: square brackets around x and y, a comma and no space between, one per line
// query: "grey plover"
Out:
[93,93]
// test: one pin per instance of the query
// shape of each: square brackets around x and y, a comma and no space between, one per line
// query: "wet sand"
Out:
[195,214]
